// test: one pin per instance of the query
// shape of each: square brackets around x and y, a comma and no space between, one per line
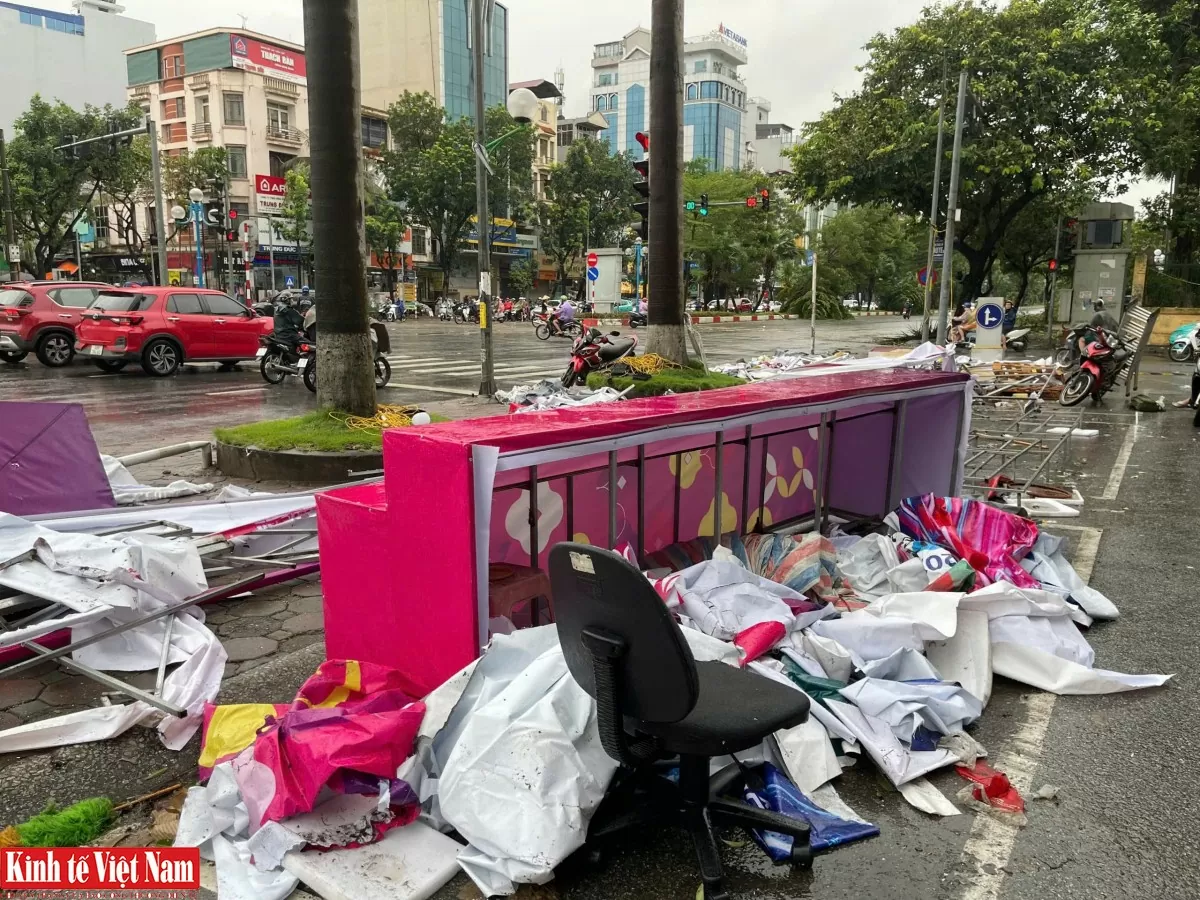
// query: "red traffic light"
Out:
[764,193]
[1054,265]
[233,214]
[752,202]
[644,139]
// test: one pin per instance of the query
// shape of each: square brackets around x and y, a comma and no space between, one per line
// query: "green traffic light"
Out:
[690,205]
[704,210]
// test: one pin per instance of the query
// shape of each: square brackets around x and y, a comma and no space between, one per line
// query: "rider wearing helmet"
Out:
[289,323]
[1102,319]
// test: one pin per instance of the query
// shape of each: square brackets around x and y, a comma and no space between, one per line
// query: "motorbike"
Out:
[278,359]
[594,349]
[1017,339]
[569,329]
[637,319]
[1067,356]
[464,312]
[1185,343]
[383,371]
[386,312]
[1100,362]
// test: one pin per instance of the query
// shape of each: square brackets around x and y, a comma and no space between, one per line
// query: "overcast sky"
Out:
[801,52]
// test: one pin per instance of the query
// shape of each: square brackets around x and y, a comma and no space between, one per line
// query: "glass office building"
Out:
[458,98]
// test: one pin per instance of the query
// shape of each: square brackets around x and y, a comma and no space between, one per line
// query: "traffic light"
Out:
[765,199]
[231,237]
[642,186]
[752,202]
[704,204]
[1054,265]
[690,205]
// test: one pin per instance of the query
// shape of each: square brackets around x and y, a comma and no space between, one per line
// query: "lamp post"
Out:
[197,212]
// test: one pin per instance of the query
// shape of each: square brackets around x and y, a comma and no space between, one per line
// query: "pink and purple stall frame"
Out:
[405,560]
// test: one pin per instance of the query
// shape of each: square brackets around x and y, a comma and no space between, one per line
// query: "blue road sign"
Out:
[290,282]
[989,315]
[593,273]
[808,258]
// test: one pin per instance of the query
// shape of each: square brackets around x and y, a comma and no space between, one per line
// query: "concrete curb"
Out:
[704,320]
[295,465]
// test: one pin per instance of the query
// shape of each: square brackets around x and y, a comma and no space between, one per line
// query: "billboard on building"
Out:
[270,191]
[267,59]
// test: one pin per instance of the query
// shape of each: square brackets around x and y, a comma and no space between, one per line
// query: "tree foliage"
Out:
[295,218]
[52,189]
[734,246]
[431,167]
[588,203]
[1061,95]
[385,227]
[202,168]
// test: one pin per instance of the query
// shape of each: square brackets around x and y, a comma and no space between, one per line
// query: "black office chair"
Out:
[656,702]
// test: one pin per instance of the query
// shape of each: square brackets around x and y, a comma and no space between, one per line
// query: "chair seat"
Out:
[735,711]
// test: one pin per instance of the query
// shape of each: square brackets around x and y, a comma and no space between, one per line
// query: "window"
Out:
[222,305]
[606,78]
[242,209]
[237,161]
[75,298]
[235,109]
[279,118]
[601,103]
[28,18]
[66,26]
[120,301]
[614,49]
[185,305]
[14,299]
[374,132]
[701,65]
[173,66]
[418,242]
[100,221]
[202,116]
[173,108]
[727,93]
[165,134]
[612,101]
[693,91]
[566,136]
[710,90]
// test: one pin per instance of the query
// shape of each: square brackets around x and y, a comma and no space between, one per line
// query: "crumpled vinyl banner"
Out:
[781,796]
[906,706]
[991,540]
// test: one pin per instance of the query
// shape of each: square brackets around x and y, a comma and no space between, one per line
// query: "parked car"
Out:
[163,327]
[40,317]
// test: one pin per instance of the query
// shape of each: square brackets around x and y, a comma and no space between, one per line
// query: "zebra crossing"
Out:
[456,375]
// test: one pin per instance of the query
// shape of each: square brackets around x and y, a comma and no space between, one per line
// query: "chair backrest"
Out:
[599,592]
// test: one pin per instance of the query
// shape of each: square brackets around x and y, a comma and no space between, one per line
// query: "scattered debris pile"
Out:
[547,394]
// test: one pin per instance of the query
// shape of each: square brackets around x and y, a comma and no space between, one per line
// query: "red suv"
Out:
[161,327]
[40,316]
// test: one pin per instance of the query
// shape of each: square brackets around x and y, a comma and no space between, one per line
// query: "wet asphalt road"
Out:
[432,362]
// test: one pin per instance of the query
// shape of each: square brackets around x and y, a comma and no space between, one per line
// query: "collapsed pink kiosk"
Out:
[405,560]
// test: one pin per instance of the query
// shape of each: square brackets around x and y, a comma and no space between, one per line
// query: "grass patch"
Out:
[317,431]
[679,381]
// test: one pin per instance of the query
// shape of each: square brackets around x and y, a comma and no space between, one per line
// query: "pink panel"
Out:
[859,465]
[791,475]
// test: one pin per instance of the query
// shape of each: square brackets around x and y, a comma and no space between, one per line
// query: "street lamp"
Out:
[197,209]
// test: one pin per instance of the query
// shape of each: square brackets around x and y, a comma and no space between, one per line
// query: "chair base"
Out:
[646,796]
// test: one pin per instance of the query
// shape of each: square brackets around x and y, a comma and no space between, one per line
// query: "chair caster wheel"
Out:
[802,857]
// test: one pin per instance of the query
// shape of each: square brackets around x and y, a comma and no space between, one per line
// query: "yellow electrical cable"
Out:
[385,417]
[649,364]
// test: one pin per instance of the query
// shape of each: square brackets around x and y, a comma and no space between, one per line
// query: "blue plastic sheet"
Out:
[781,796]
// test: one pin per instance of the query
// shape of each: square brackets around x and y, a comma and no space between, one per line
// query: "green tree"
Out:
[127,187]
[202,168]
[520,278]
[53,189]
[385,227]
[295,218]
[588,204]
[1059,96]
[431,168]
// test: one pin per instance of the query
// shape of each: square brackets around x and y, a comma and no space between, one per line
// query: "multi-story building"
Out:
[715,100]
[592,125]
[421,46]
[767,141]
[77,58]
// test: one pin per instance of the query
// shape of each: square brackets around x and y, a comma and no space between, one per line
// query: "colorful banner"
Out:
[270,191]
[267,59]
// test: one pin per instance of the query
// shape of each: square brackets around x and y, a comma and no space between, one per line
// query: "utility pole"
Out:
[933,217]
[480,36]
[668,336]
[952,212]
[10,232]
[1053,282]
[346,371]
[812,245]
[160,225]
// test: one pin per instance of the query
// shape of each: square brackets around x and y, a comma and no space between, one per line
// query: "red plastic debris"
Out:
[758,639]
[993,787]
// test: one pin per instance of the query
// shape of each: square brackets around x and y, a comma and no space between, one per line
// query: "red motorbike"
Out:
[594,349]
[1102,357]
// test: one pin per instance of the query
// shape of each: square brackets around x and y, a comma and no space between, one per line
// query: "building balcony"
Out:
[284,136]
[139,93]
[280,86]
[198,81]
[202,131]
